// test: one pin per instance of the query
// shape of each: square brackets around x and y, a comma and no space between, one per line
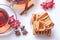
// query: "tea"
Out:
[3,17]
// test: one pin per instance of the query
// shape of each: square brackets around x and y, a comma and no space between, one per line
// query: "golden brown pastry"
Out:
[42,24]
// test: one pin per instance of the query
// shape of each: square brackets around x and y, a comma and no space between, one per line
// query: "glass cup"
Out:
[5,12]
[4,17]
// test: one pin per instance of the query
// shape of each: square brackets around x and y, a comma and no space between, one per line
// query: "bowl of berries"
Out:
[8,20]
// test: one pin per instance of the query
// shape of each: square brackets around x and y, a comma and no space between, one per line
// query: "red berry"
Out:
[11,19]
[13,22]
[41,4]
[52,1]
[47,5]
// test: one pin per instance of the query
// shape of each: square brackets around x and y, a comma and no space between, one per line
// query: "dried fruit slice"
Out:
[4,28]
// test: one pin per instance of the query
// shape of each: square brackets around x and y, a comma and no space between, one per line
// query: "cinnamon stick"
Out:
[26,5]
[25,11]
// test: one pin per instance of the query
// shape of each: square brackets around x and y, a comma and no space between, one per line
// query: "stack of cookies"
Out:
[42,24]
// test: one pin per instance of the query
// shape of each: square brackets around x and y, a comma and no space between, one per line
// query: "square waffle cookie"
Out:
[42,24]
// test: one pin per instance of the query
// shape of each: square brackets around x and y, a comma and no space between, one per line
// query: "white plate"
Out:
[10,12]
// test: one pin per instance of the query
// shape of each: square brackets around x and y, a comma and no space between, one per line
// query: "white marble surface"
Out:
[26,20]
